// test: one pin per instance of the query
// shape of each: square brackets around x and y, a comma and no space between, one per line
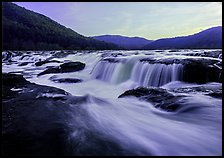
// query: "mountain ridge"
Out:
[27,30]
[124,41]
[210,38]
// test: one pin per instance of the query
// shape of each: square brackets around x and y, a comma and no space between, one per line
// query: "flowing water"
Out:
[132,126]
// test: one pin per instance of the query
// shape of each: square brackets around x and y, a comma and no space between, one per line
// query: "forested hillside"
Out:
[27,30]
[208,39]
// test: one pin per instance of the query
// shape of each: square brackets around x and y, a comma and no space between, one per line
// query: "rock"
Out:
[72,66]
[6,55]
[39,63]
[22,57]
[50,70]
[66,80]
[160,98]
[12,79]
[185,61]
[213,91]
[34,123]
[113,60]
[23,64]
[159,51]
[214,54]
[66,67]
[195,70]
[148,60]
[174,50]
[201,72]
[117,54]
[44,120]
[61,54]
[216,94]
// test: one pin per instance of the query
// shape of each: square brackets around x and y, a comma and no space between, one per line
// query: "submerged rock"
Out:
[65,80]
[66,67]
[39,63]
[24,63]
[160,98]
[50,70]
[113,60]
[211,90]
[214,54]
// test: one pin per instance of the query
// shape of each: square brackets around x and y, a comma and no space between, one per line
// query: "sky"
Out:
[150,20]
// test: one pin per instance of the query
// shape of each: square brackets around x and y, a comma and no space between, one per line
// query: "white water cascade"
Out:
[94,120]
[143,73]
[156,74]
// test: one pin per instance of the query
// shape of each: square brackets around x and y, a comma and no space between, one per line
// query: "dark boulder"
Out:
[22,57]
[72,66]
[112,60]
[214,54]
[43,120]
[160,98]
[50,70]
[39,63]
[31,123]
[213,91]
[69,80]
[10,81]
[13,79]
[216,94]
[24,64]
[60,54]
[195,70]
[201,71]
[66,67]
[7,55]
[65,80]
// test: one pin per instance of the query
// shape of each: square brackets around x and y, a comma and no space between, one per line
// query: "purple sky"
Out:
[151,20]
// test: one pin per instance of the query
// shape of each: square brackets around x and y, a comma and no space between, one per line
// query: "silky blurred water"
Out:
[136,126]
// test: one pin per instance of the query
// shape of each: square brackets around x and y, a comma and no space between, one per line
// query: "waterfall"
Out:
[143,73]
[156,74]
[112,72]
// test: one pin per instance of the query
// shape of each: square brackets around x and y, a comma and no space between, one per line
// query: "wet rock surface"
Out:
[61,54]
[40,120]
[213,91]
[112,60]
[214,54]
[198,70]
[66,67]
[160,98]
[65,80]
[186,61]
[13,79]
[40,63]
[31,123]
[7,55]
[24,64]
[72,66]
